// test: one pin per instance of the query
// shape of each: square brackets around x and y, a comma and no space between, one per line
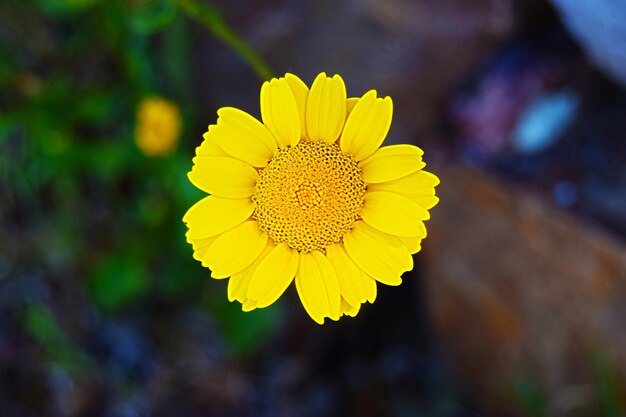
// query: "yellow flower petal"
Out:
[413,244]
[248,305]
[213,215]
[326,108]
[223,176]
[301,93]
[419,187]
[350,105]
[367,126]
[244,137]
[420,183]
[389,240]
[394,214]
[372,290]
[280,112]
[349,310]
[355,286]
[235,249]
[318,287]
[200,247]
[273,275]
[238,283]
[209,146]
[381,256]
[369,284]
[427,201]
[391,162]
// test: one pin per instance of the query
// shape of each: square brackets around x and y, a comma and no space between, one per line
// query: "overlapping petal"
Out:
[238,283]
[380,256]
[417,183]
[350,105]
[280,112]
[367,126]
[223,176]
[413,244]
[235,249]
[318,287]
[394,214]
[209,146]
[272,277]
[355,286]
[301,93]
[200,247]
[419,187]
[426,201]
[213,215]
[326,108]
[391,162]
[243,137]
[347,309]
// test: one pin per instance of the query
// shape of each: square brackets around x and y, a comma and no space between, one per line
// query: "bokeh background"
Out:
[517,304]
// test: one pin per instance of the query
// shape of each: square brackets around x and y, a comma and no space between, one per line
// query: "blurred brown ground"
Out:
[518,288]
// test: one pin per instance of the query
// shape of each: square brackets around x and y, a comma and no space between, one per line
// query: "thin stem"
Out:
[212,19]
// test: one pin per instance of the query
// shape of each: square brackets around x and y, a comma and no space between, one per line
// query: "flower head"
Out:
[158,126]
[308,194]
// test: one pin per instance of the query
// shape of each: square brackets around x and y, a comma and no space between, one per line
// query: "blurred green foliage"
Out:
[88,204]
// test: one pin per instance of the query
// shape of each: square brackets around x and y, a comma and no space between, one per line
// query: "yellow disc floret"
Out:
[308,196]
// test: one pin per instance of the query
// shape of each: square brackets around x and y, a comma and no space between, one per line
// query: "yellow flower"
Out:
[158,126]
[308,194]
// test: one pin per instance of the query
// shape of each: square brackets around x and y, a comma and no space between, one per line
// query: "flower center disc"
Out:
[308,196]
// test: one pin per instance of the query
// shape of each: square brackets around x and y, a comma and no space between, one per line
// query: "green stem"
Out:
[211,17]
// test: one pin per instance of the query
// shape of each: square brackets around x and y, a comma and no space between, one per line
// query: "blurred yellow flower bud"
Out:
[158,126]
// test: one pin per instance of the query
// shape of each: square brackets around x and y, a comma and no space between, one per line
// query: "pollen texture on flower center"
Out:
[308,196]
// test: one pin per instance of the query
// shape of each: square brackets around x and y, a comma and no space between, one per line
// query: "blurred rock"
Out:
[600,28]
[518,289]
